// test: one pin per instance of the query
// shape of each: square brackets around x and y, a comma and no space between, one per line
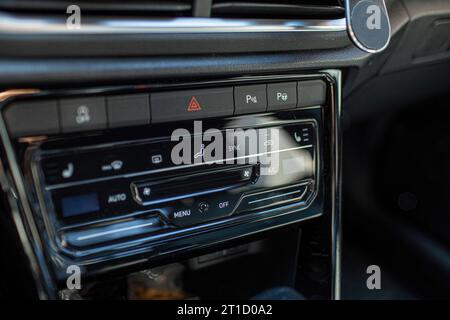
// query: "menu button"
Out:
[181,213]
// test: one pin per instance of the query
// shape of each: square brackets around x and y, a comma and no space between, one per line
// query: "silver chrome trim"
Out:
[336,183]
[56,24]
[96,235]
[280,195]
[12,184]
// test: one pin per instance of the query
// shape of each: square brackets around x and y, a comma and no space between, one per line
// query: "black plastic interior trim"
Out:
[117,45]
[64,72]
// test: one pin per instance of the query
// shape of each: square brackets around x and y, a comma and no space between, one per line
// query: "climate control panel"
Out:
[147,187]
[168,169]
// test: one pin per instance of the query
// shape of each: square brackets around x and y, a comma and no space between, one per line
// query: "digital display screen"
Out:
[294,165]
[80,204]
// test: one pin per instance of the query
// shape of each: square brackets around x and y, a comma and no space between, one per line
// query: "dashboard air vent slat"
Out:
[104,7]
[278,9]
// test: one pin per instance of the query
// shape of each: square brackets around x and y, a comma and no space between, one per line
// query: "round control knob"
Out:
[368,24]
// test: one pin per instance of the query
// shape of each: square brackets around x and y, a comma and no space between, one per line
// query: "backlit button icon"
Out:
[224,205]
[246,174]
[117,198]
[282,96]
[250,99]
[68,171]
[113,166]
[157,159]
[147,191]
[201,153]
[203,207]
[82,115]
[194,105]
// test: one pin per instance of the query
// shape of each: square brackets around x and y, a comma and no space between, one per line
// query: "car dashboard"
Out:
[197,141]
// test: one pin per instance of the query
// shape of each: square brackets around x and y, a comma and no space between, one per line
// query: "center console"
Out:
[122,178]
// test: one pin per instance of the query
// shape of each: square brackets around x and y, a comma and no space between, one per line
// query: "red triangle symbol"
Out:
[194,105]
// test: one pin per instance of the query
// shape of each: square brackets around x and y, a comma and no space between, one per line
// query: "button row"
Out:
[262,97]
[106,163]
[84,114]
[197,211]
[132,159]
[238,100]
[96,113]
[77,114]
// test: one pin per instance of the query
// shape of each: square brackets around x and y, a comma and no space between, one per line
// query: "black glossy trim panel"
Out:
[25,35]
[33,240]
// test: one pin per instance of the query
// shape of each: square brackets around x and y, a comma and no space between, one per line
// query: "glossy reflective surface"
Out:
[127,238]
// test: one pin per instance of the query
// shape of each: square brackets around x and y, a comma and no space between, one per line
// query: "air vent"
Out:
[172,16]
[160,8]
[279,9]
[248,9]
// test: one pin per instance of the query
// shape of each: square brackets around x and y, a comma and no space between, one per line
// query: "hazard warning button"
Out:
[192,104]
